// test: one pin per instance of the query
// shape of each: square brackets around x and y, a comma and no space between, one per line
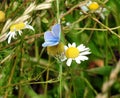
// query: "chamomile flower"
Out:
[93,7]
[76,53]
[17,28]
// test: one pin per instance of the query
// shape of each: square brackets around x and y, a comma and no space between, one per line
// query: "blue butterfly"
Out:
[52,38]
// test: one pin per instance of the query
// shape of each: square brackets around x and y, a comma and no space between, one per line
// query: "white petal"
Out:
[68,24]
[84,8]
[77,60]
[13,35]
[80,47]
[26,22]
[65,47]
[73,45]
[29,27]
[98,11]
[9,38]
[83,58]
[102,16]
[89,2]
[85,53]
[69,45]
[104,9]
[85,49]
[20,32]
[81,13]
[63,59]
[8,34]
[69,61]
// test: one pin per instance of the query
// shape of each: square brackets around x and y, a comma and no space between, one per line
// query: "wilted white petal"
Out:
[22,19]
[49,0]
[29,9]
[43,6]
[3,37]
[69,61]
[6,26]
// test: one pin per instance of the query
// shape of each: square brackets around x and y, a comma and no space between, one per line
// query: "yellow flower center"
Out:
[17,27]
[2,16]
[93,6]
[72,52]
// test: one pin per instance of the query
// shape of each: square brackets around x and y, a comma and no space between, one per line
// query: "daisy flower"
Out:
[93,7]
[76,53]
[17,28]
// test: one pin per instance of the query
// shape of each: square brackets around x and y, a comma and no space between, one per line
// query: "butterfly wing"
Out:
[45,44]
[56,30]
[50,39]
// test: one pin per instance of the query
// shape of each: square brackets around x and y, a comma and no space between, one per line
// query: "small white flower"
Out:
[93,7]
[68,23]
[76,53]
[17,28]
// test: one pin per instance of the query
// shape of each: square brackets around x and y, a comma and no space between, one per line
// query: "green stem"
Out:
[90,86]
[20,92]
[106,42]
[60,64]
[47,77]
[10,78]
[60,77]
[58,13]
[36,50]
[46,85]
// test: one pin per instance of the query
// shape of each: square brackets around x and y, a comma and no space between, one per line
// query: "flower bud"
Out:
[2,16]
[56,51]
